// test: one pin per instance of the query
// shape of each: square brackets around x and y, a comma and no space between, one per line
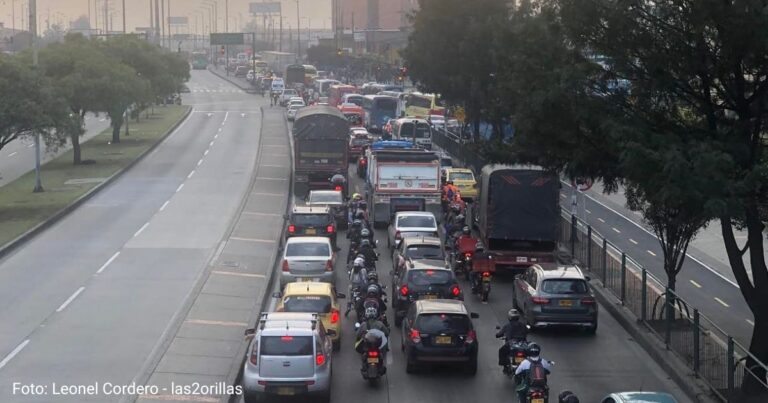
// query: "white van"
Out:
[278,85]
[403,129]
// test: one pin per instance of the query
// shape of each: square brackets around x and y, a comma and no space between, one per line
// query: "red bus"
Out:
[338,91]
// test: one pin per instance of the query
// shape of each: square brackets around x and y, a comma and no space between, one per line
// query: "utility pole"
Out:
[298,31]
[168,21]
[226,15]
[106,16]
[33,30]
[124,27]
[157,22]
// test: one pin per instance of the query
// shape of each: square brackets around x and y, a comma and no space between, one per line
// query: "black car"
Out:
[312,221]
[422,281]
[439,331]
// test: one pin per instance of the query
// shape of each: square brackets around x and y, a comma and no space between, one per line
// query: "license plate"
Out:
[310,231]
[443,340]
[285,391]
[373,360]
[429,296]
[537,400]
[566,302]
[522,259]
[518,360]
[487,279]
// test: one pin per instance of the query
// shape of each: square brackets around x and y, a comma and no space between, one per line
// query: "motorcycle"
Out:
[536,394]
[363,303]
[517,353]
[372,355]
[481,284]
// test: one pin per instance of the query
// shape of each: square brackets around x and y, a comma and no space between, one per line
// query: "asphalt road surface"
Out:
[88,300]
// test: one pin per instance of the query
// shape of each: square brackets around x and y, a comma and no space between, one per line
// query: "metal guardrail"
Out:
[712,354]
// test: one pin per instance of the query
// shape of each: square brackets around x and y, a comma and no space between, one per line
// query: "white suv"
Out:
[290,355]
[405,223]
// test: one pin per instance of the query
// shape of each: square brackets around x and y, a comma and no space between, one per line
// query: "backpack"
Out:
[450,193]
[537,374]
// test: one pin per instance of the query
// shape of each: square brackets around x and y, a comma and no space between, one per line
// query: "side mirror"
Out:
[587,278]
[498,327]
[250,334]
[474,315]
[330,332]
[340,295]
[277,294]
[357,325]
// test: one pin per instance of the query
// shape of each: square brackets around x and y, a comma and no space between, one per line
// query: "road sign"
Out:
[582,184]
[265,8]
[227,39]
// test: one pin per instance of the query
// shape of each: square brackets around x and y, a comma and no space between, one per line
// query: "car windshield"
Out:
[310,220]
[416,221]
[301,249]
[461,176]
[424,252]
[289,92]
[424,277]
[307,303]
[325,198]
[433,323]
[564,286]
[286,345]
[360,142]
[422,130]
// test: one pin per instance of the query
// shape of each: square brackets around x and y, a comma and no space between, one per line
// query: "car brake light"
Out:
[415,336]
[254,357]
[471,337]
[291,229]
[588,301]
[537,395]
[320,359]
[287,338]
[404,290]
[263,383]
[334,316]
[363,162]
[455,290]
[397,234]
[329,229]
[338,187]
[285,265]
[539,300]
[373,353]
[430,272]
[329,265]
[486,274]
[468,255]
[519,354]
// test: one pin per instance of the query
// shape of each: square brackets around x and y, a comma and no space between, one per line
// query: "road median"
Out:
[23,213]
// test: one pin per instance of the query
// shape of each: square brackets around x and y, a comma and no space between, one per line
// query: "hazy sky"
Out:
[137,11]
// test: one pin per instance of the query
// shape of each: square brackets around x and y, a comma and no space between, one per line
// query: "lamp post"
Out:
[33,30]
[298,31]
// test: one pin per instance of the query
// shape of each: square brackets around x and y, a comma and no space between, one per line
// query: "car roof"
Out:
[646,397]
[308,288]
[410,120]
[421,240]
[315,209]
[441,306]
[458,169]
[308,239]
[285,322]
[414,213]
[324,192]
[426,265]
[550,271]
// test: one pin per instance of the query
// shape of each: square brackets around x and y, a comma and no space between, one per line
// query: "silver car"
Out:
[289,355]
[308,258]
[333,199]
[419,222]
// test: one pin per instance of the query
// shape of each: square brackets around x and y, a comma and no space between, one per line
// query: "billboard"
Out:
[227,39]
[265,8]
[178,20]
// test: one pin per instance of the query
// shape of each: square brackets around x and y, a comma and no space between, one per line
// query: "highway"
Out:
[88,300]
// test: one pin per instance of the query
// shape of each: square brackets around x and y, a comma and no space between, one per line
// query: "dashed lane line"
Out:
[13,353]
[200,162]
[633,241]
[616,230]
[601,220]
[695,284]
[722,302]
[70,299]
[104,266]
[13,153]
[651,253]
[191,174]
[588,212]
[178,189]
[233,273]
[143,227]
[164,205]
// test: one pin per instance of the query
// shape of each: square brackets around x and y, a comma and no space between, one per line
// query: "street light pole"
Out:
[124,26]
[298,31]
[33,30]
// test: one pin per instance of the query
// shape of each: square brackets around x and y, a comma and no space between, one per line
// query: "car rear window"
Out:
[461,176]
[286,345]
[307,303]
[424,252]
[325,198]
[424,277]
[564,286]
[310,220]
[442,323]
[416,221]
[307,249]
[360,142]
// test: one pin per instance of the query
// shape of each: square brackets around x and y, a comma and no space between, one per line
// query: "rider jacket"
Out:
[369,256]
[514,330]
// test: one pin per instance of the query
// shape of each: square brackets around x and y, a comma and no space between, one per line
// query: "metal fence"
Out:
[711,353]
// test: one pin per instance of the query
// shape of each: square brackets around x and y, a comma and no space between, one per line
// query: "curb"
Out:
[683,376]
[247,89]
[235,375]
[56,217]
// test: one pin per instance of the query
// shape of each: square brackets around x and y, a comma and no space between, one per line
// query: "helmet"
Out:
[513,315]
[460,218]
[373,277]
[466,230]
[359,262]
[534,350]
[365,233]
[373,291]
[449,182]
[356,196]
[370,313]
[357,223]
[365,242]
[567,397]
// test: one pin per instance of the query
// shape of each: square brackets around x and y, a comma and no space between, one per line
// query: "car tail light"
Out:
[588,301]
[404,290]
[363,162]
[335,316]
[455,290]
[338,187]
[286,338]
[415,336]
[397,235]
[320,359]
[519,353]
[471,337]
[539,301]
[486,274]
[537,395]
[291,229]
[373,353]
[329,229]
[329,265]
[468,255]
[263,383]
[285,265]
[309,383]
[254,359]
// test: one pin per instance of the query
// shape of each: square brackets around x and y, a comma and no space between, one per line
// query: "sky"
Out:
[137,12]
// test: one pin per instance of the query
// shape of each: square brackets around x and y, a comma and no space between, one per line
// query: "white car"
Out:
[290,113]
[405,223]
[308,258]
[286,95]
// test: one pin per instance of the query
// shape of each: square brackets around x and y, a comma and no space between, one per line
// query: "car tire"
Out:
[325,397]
[410,366]
[592,329]
[471,368]
[253,397]
[398,320]
[337,345]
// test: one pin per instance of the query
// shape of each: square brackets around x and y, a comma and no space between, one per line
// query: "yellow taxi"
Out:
[463,179]
[314,297]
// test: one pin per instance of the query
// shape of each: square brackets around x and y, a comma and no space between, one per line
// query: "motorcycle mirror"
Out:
[357,325]
[340,295]
[277,294]
[587,278]
[498,327]
[250,334]
[474,315]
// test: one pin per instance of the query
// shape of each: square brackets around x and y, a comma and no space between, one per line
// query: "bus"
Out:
[294,74]
[422,105]
[338,91]
[260,67]
[401,97]
[378,110]
[199,60]
[310,74]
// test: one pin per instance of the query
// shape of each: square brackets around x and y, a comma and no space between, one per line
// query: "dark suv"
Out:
[422,281]
[312,221]
[439,331]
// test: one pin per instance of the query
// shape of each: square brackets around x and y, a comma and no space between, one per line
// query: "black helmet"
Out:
[373,277]
[357,223]
[567,397]
[534,350]
[512,314]
[460,218]
[371,313]
[466,230]
[373,291]
[365,233]
[365,242]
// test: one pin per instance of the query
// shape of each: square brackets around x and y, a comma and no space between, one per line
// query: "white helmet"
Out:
[359,262]
[513,314]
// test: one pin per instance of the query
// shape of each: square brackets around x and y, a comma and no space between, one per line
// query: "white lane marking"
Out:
[104,266]
[164,205]
[617,231]
[242,115]
[633,241]
[271,179]
[210,144]
[697,285]
[748,321]
[143,227]
[233,273]
[190,174]
[216,136]
[226,115]
[70,299]
[219,130]
[713,271]
[13,353]
[273,166]
[206,152]
[215,322]
[722,302]
[13,153]
[588,212]
[178,189]
[200,162]
[234,238]
[601,220]
[30,145]
[651,253]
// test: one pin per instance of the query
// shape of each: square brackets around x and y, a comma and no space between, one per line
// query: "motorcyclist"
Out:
[338,181]
[365,233]
[372,323]
[367,251]
[358,280]
[353,233]
[534,356]
[452,227]
[352,206]
[514,331]
[373,298]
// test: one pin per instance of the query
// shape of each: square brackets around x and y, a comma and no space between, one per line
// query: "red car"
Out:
[357,143]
